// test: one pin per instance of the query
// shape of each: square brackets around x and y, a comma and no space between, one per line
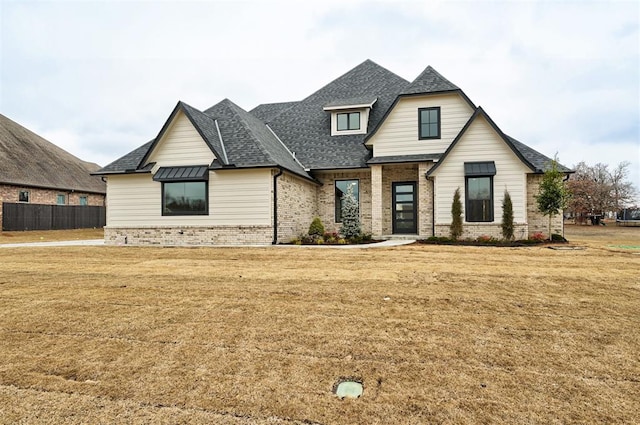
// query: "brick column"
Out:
[376,200]
[425,201]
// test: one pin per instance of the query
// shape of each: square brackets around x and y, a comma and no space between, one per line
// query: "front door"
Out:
[405,209]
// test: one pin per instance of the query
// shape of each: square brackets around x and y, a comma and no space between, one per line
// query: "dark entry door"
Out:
[405,208]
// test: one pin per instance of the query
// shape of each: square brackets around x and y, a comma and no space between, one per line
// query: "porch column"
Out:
[376,200]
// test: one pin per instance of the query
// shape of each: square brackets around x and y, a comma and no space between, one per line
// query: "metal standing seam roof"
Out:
[196,172]
[487,168]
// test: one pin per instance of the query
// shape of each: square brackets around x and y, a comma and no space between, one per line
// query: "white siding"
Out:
[181,144]
[481,143]
[398,135]
[238,197]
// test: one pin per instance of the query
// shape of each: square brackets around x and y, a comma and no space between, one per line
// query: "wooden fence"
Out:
[51,217]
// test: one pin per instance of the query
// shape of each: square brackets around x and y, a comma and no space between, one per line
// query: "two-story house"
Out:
[228,176]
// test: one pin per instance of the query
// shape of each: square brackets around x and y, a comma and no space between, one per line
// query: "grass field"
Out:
[437,334]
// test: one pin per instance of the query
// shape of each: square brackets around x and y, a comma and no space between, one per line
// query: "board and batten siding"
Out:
[398,134]
[481,143]
[181,144]
[237,197]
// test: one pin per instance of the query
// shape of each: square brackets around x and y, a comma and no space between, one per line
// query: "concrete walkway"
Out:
[86,242]
[98,242]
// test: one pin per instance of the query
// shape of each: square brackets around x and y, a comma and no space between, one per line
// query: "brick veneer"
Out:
[297,206]
[326,198]
[188,235]
[10,193]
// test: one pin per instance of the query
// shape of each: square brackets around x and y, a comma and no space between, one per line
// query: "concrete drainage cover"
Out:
[349,388]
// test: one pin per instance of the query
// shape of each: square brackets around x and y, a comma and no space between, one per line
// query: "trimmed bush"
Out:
[507,216]
[456,216]
[316,228]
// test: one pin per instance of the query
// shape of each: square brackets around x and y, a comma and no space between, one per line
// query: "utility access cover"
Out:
[349,389]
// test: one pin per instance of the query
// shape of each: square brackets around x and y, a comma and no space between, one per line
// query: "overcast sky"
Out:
[100,78]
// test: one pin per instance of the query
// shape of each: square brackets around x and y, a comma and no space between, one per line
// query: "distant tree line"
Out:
[597,190]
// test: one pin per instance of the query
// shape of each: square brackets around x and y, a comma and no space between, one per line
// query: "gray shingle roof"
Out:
[429,81]
[306,129]
[535,158]
[248,141]
[27,159]
[267,111]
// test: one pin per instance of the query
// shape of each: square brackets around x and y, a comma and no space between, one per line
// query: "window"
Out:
[23,196]
[479,198]
[429,123]
[348,121]
[62,199]
[340,190]
[184,198]
[83,200]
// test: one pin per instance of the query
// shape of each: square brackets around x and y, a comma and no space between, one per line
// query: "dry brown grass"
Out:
[50,235]
[260,335]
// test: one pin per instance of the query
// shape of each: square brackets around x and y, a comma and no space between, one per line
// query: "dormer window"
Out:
[350,116]
[348,121]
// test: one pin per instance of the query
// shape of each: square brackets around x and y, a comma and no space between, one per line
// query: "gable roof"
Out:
[305,126]
[27,159]
[429,81]
[297,135]
[529,157]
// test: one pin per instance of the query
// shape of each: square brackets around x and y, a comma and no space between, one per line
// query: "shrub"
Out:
[507,216]
[439,239]
[484,239]
[456,216]
[537,237]
[316,227]
[557,238]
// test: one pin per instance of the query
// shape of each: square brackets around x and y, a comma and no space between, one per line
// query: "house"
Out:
[35,171]
[228,176]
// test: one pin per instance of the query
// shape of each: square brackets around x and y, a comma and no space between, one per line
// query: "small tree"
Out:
[507,216]
[456,216]
[316,228]
[350,215]
[553,195]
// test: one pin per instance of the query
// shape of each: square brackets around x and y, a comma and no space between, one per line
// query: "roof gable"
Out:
[30,160]
[516,149]
[201,123]
[429,81]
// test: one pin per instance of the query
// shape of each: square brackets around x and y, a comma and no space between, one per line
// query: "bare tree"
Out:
[597,190]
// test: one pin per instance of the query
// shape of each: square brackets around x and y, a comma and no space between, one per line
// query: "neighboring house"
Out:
[228,176]
[35,171]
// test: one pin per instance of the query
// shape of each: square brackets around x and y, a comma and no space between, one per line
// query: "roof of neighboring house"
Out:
[296,135]
[27,159]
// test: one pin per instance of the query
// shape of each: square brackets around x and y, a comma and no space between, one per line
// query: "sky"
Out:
[100,78]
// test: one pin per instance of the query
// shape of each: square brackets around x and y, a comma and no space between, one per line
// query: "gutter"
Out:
[275,205]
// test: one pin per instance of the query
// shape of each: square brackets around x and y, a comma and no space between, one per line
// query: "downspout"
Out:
[275,205]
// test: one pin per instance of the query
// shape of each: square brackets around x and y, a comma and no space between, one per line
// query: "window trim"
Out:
[86,200]
[64,199]
[432,108]
[335,204]
[491,199]
[348,114]
[172,214]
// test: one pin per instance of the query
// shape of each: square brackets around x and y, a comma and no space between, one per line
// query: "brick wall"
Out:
[10,193]
[189,236]
[475,230]
[297,206]
[326,198]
